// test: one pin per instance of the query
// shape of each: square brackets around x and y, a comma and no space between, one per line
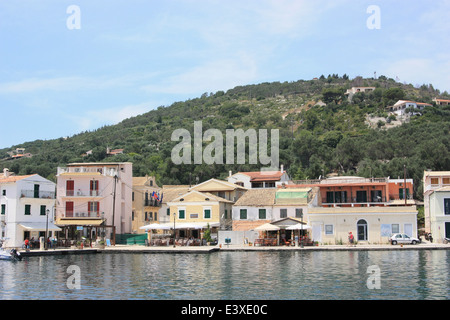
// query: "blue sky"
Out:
[129,57]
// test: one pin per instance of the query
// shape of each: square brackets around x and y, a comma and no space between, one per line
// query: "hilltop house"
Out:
[441,102]
[436,196]
[27,208]
[399,108]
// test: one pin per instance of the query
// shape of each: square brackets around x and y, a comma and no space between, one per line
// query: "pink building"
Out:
[93,198]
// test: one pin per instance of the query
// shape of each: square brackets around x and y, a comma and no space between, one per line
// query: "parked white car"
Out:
[402,238]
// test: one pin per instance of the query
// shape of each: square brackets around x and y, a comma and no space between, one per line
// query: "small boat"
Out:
[10,255]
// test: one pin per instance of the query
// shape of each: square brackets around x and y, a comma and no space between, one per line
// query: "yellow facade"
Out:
[372,225]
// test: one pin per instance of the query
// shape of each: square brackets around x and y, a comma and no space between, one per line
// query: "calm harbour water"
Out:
[331,275]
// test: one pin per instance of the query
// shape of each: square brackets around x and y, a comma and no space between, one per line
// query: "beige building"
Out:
[367,224]
[145,206]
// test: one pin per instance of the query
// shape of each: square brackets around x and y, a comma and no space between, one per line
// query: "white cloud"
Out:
[209,77]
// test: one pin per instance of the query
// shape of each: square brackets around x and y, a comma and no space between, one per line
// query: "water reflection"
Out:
[409,274]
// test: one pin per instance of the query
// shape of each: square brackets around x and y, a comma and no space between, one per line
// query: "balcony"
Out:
[74,214]
[343,180]
[80,193]
[105,171]
[37,194]
[354,201]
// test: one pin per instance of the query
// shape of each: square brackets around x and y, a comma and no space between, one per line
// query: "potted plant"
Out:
[207,235]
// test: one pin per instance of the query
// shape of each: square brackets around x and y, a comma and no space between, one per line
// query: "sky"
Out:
[71,66]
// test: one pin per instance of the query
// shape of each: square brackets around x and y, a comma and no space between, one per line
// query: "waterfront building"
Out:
[259,179]
[27,208]
[169,193]
[371,208]
[93,198]
[260,206]
[436,197]
[147,198]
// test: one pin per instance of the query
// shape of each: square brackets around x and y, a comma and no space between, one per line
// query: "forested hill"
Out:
[321,132]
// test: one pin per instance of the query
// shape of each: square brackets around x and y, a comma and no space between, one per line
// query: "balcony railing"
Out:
[79,193]
[354,200]
[94,170]
[341,181]
[75,214]
[37,195]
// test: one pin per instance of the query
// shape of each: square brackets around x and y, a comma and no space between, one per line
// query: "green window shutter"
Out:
[168,211]
[262,214]
[28,209]
[3,209]
[181,214]
[243,214]
[207,214]
[43,210]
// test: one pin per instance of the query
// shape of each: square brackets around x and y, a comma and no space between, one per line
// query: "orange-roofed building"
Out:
[259,179]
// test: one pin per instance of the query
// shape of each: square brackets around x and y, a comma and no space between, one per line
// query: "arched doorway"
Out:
[361,226]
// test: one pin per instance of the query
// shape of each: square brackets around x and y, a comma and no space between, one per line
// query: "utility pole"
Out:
[404,182]
[114,210]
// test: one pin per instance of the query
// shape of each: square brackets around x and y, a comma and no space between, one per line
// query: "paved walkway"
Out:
[209,249]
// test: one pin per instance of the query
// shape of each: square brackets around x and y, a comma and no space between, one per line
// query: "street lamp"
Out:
[46,229]
[174,215]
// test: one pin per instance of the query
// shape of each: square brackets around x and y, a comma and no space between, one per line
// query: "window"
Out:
[207,213]
[36,191]
[156,216]
[328,229]
[43,210]
[168,211]
[447,206]
[445,180]
[28,209]
[299,213]
[243,214]
[361,196]
[93,208]
[94,188]
[3,208]
[434,180]
[262,214]
[226,214]
[4,192]
[181,214]
[395,228]
[283,213]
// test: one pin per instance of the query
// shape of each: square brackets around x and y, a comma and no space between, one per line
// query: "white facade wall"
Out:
[15,197]
[252,213]
[440,222]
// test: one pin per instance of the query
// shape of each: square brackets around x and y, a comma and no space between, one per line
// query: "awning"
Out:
[190,225]
[267,227]
[156,226]
[79,222]
[299,226]
[39,226]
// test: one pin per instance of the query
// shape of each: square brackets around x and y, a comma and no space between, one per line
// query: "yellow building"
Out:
[368,224]
[208,203]
[145,206]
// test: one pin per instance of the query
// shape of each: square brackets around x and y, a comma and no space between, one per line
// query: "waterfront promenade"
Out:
[229,248]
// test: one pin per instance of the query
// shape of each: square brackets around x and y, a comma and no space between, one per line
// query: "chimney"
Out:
[282,168]
[230,173]
[6,172]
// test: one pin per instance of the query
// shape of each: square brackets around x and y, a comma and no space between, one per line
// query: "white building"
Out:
[436,187]
[27,208]
[91,196]
[400,107]
[259,179]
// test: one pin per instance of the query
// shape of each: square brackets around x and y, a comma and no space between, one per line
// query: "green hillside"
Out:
[332,137]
